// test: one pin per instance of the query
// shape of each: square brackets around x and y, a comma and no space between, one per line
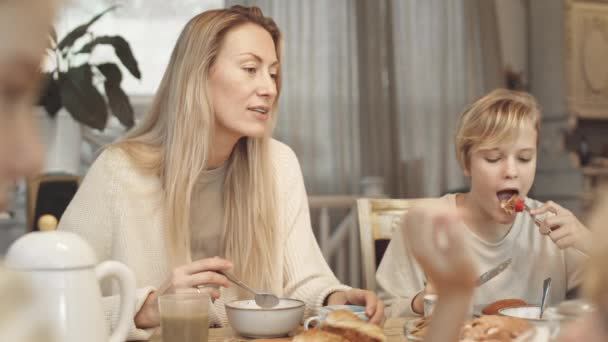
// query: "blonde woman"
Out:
[24,27]
[199,186]
[496,145]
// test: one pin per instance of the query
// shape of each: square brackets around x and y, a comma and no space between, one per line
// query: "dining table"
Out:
[393,329]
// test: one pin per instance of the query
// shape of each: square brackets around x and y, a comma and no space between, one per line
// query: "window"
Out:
[150,26]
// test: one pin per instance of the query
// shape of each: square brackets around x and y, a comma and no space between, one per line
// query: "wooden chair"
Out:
[49,195]
[377,219]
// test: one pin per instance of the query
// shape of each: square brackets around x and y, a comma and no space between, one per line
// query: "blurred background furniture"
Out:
[377,219]
[334,226]
[49,194]
[586,53]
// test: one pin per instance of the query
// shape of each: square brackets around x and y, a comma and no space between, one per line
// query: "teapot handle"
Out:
[126,280]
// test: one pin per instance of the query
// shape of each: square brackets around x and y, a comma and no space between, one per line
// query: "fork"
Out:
[526,208]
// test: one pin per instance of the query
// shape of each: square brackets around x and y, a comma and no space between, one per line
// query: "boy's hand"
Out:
[564,229]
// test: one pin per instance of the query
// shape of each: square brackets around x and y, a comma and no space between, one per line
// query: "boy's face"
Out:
[501,171]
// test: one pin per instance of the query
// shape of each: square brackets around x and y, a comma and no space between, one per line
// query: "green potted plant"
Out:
[75,85]
[78,92]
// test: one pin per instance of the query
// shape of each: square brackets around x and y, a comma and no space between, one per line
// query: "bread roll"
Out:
[318,335]
[348,325]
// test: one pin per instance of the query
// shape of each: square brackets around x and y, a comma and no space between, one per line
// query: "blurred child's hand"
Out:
[436,241]
[563,228]
[588,329]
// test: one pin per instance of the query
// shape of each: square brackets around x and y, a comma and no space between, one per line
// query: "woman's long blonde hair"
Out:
[174,140]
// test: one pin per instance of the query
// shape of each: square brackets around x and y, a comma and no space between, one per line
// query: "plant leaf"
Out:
[119,104]
[117,98]
[82,99]
[121,48]
[50,97]
[79,31]
[53,35]
[111,72]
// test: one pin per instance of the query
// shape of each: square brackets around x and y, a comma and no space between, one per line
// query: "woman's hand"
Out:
[434,238]
[374,307]
[564,229]
[199,275]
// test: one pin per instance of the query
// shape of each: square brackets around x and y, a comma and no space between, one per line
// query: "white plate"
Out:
[536,334]
[409,327]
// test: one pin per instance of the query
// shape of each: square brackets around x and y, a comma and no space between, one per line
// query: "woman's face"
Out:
[242,83]
[24,27]
[499,172]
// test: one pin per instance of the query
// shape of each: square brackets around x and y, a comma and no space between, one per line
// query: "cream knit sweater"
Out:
[119,211]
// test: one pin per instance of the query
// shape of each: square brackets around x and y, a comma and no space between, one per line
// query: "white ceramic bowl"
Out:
[250,320]
[549,325]
[530,313]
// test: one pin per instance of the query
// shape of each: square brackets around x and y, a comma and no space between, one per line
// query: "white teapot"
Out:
[61,268]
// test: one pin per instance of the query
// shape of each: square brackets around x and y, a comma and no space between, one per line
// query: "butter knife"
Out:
[493,272]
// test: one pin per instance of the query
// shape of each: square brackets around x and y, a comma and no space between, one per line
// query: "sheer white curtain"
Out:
[319,109]
[438,71]
[436,66]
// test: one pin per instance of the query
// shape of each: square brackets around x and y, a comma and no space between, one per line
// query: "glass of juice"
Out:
[184,317]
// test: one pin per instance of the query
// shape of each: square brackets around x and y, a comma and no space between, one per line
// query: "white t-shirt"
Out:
[534,258]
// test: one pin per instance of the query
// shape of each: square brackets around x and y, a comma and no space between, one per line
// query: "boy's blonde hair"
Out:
[494,119]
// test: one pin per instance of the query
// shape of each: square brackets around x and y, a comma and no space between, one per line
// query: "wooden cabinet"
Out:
[586,63]
[595,181]
[586,25]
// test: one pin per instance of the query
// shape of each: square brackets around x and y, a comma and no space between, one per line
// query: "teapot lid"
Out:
[50,250]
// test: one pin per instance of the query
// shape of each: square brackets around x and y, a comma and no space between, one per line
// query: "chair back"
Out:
[377,219]
[48,195]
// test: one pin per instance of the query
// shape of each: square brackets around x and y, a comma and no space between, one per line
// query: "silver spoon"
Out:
[262,299]
[543,301]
